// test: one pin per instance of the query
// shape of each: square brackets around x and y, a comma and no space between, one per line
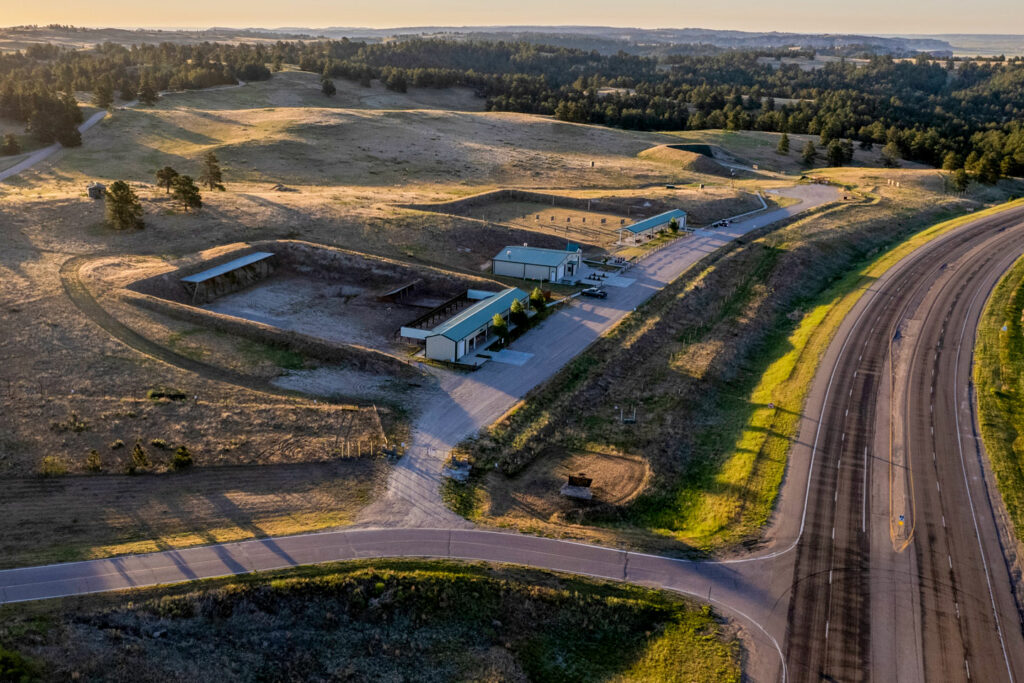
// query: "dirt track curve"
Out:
[859,599]
[70,276]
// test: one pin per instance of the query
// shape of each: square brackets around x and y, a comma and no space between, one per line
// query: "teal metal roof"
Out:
[477,315]
[655,221]
[235,264]
[535,256]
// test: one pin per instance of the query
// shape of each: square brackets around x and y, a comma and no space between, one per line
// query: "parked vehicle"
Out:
[595,292]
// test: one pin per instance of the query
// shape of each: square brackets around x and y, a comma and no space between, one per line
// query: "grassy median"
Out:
[999,381]
[373,621]
[718,366]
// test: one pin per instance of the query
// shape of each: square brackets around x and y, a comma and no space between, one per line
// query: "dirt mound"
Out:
[681,158]
[617,480]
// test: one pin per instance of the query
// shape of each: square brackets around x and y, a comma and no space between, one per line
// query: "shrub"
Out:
[537,300]
[16,668]
[73,423]
[159,443]
[93,462]
[52,466]
[182,459]
[139,461]
[114,445]
[158,393]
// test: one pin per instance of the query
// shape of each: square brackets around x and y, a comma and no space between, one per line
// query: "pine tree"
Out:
[809,154]
[211,175]
[783,147]
[961,180]
[10,146]
[165,177]
[185,191]
[103,95]
[834,153]
[123,208]
[148,94]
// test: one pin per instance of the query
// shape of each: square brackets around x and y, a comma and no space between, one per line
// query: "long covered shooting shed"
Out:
[228,277]
[470,329]
[649,227]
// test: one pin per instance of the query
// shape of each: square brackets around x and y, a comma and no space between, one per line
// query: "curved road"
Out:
[846,592]
[899,574]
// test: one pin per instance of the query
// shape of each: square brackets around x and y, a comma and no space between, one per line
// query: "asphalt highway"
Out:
[898,573]
[883,560]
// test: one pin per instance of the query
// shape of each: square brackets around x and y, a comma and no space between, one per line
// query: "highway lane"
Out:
[845,577]
[859,599]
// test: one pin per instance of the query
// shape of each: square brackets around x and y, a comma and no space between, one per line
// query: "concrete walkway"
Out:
[467,403]
[752,591]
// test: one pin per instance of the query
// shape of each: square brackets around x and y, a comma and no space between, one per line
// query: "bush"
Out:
[159,443]
[158,393]
[52,466]
[16,668]
[73,423]
[114,445]
[537,299]
[139,462]
[93,462]
[182,459]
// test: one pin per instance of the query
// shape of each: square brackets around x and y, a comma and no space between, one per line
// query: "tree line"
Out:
[37,85]
[958,114]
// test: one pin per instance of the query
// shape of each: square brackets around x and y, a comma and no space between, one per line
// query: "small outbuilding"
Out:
[535,263]
[644,230]
[471,329]
[96,190]
[578,487]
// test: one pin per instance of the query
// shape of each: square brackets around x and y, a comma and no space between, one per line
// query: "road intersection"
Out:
[830,597]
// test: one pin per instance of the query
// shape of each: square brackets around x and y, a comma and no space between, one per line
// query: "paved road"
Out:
[899,574]
[46,152]
[861,597]
[467,403]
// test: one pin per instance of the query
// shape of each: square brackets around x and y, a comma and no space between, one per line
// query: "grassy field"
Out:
[283,130]
[999,380]
[760,147]
[374,620]
[700,363]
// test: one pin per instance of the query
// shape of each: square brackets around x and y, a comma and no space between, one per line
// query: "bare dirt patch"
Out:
[533,495]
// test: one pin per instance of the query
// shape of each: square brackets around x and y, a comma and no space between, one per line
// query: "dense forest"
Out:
[37,85]
[954,114]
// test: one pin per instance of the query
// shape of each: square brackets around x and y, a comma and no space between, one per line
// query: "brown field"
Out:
[70,386]
[352,162]
[617,480]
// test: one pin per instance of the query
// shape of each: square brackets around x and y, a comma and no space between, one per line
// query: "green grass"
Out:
[707,507]
[375,620]
[279,356]
[706,357]
[999,380]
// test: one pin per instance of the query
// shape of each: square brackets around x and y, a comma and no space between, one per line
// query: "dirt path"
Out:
[71,278]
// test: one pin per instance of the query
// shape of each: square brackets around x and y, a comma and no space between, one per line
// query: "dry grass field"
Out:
[70,387]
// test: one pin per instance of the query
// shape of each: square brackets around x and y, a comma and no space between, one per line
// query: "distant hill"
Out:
[642,40]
